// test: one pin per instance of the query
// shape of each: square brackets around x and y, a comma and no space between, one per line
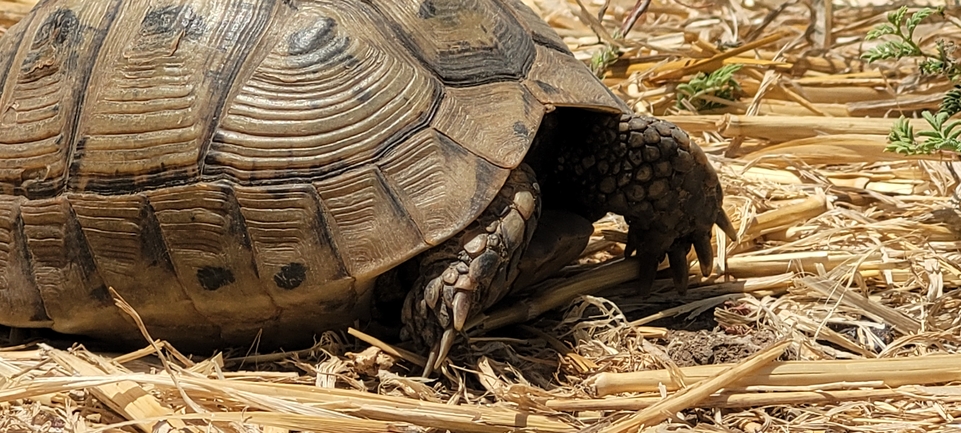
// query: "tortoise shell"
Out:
[230,166]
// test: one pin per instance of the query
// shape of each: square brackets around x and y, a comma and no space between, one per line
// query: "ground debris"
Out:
[845,270]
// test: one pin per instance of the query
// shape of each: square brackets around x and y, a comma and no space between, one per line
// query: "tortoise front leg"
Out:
[473,270]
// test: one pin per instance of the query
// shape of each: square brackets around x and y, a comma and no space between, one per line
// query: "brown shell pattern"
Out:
[235,165]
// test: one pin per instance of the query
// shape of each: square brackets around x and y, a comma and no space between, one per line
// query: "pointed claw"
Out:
[630,247]
[724,223]
[431,359]
[648,273]
[680,270]
[446,342]
[461,307]
[705,253]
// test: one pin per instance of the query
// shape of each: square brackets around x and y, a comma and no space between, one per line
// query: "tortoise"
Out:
[245,168]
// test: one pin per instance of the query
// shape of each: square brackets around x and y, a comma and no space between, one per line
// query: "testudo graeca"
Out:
[236,168]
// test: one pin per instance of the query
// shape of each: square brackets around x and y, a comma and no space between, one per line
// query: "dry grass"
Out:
[845,270]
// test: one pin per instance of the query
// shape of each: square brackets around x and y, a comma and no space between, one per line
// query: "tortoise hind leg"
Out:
[472,270]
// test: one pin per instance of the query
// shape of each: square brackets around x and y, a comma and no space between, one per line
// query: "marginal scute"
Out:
[73,291]
[359,203]
[131,256]
[442,186]
[574,87]
[151,107]
[542,33]
[335,91]
[496,121]
[297,260]
[465,42]
[19,294]
[43,92]
[205,233]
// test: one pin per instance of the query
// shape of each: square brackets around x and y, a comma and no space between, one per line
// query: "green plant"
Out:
[719,84]
[602,59]
[944,134]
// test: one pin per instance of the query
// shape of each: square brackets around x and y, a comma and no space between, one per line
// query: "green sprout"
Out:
[719,84]
[602,59]
[943,134]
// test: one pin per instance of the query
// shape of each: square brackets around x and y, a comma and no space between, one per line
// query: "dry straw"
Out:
[835,309]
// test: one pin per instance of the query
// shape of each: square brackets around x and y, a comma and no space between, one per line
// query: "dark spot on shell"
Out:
[170,20]
[427,10]
[291,276]
[60,27]
[313,38]
[547,88]
[521,129]
[152,246]
[100,293]
[212,278]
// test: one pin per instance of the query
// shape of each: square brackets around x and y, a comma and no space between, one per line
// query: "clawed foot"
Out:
[681,217]
[472,270]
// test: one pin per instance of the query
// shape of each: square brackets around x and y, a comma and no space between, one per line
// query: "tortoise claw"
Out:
[725,224]
[680,269]
[648,272]
[461,307]
[705,253]
[438,353]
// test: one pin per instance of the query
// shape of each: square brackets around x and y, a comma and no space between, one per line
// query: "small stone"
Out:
[635,140]
[635,157]
[623,127]
[461,267]
[624,178]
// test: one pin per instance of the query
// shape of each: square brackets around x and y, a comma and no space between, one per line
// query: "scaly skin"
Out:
[646,170]
[642,168]
[471,271]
